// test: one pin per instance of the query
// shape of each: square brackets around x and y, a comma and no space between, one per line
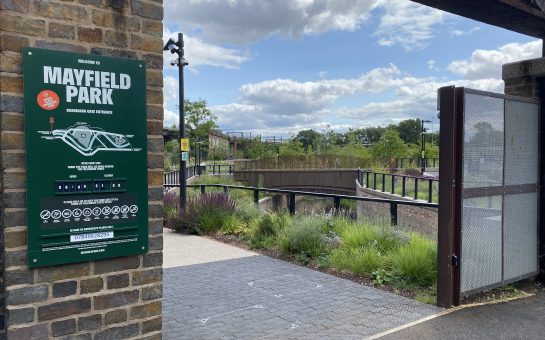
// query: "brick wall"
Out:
[110,299]
[523,78]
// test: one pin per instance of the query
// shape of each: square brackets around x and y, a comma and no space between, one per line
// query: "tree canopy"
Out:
[199,119]
[390,145]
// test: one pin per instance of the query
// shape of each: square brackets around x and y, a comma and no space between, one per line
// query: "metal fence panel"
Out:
[481,243]
[520,235]
[521,167]
[521,142]
[483,141]
[499,190]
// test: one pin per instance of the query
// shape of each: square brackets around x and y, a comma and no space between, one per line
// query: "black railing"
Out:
[402,185]
[219,169]
[173,177]
[416,162]
[292,195]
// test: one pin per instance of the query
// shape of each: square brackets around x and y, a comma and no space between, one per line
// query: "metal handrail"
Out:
[173,177]
[292,193]
[417,162]
[365,174]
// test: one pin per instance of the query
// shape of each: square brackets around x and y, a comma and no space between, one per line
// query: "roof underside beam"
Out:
[515,15]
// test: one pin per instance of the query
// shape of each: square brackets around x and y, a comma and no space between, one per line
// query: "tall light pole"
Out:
[423,160]
[199,157]
[178,48]
[195,155]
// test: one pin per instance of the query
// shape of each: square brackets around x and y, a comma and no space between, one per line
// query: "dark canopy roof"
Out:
[522,16]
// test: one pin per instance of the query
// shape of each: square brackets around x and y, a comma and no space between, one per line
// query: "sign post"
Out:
[86,157]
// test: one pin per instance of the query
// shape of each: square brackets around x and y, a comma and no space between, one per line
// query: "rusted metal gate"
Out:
[489,191]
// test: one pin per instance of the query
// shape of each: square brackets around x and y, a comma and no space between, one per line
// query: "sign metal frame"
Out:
[86,157]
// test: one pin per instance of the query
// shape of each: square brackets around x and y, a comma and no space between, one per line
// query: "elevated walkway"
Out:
[334,181]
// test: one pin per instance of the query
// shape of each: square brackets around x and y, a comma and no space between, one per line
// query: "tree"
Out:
[171,155]
[390,146]
[199,119]
[310,139]
[410,130]
[292,148]
[258,149]
[370,135]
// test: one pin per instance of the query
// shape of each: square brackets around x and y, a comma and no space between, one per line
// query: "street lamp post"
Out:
[199,157]
[195,154]
[423,160]
[178,48]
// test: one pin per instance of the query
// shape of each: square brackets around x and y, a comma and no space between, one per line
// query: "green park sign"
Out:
[86,157]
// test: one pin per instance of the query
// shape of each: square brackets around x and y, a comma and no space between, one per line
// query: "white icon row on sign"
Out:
[88,212]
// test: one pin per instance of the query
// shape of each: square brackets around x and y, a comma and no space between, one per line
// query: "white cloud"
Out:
[432,65]
[460,33]
[289,96]
[285,105]
[407,24]
[247,21]
[170,89]
[488,63]
[413,102]
[170,101]
[199,53]
[171,118]
[401,22]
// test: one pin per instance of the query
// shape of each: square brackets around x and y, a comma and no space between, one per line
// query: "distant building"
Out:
[218,144]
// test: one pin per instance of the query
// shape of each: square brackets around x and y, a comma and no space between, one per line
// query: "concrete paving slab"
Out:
[252,296]
[185,250]
[517,319]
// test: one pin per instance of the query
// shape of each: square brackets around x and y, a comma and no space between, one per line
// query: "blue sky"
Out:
[275,67]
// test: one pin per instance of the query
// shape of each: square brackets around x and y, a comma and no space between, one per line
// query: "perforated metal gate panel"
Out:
[520,235]
[481,243]
[521,168]
[521,142]
[499,190]
[483,141]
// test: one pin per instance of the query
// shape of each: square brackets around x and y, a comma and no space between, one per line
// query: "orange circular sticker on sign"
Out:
[48,100]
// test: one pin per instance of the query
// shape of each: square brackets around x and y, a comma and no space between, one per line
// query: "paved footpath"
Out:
[518,319]
[249,296]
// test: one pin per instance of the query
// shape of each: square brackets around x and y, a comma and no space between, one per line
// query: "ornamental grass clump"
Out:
[304,237]
[415,263]
[361,261]
[206,213]
[170,204]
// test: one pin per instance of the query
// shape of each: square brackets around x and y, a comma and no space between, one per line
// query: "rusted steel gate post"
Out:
[448,252]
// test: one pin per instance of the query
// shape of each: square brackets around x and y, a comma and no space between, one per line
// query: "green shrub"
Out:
[232,225]
[268,227]
[303,236]
[247,211]
[362,261]
[415,263]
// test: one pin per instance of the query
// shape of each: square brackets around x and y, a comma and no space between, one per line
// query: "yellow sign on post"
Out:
[184,144]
